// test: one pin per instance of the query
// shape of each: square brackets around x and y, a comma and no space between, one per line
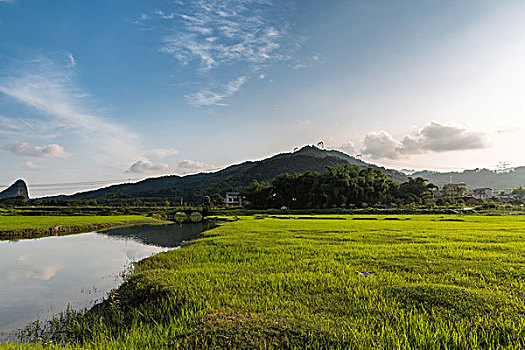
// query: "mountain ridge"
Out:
[232,178]
[475,178]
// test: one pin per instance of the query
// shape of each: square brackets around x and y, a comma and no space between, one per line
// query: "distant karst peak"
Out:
[18,189]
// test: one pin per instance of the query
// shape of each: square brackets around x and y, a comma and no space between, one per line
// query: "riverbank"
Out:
[396,282]
[25,227]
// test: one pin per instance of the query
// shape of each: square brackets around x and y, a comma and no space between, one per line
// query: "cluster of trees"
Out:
[518,193]
[345,186]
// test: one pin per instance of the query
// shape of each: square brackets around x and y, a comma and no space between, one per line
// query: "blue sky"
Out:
[113,90]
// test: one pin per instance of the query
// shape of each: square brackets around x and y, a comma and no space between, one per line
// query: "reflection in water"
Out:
[41,277]
[14,273]
[159,235]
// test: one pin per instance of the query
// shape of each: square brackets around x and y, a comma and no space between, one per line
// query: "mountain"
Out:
[477,178]
[233,178]
[18,189]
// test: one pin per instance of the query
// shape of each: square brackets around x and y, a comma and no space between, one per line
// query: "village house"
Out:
[483,193]
[233,199]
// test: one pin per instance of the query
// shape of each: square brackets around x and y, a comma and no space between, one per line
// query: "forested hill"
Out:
[193,187]
[477,178]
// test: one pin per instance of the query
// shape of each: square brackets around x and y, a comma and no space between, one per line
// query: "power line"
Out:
[77,184]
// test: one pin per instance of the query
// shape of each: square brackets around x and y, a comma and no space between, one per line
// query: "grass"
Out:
[15,227]
[24,222]
[290,282]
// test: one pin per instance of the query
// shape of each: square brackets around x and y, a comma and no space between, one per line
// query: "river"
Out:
[41,277]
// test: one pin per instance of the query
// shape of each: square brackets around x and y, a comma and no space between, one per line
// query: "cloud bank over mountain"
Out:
[434,137]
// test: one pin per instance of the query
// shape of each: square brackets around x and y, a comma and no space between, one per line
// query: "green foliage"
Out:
[290,282]
[337,187]
[416,190]
[519,192]
[454,190]
[12,201]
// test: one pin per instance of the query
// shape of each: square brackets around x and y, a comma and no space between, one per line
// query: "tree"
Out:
[416,190]
[454,190]
[12,201]
[518,192]
[258,194]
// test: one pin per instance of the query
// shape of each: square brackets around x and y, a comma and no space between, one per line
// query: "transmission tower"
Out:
[503,167]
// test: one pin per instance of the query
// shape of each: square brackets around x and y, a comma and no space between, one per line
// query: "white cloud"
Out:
[31,165]
[146,166]
[381,145]
[435,137]
[51,90]
[348,147]
[193,166]
[207,97]
[47,151]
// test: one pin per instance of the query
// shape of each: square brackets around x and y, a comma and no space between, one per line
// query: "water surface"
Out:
[41,277]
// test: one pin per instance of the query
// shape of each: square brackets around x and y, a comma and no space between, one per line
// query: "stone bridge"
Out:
[186,215]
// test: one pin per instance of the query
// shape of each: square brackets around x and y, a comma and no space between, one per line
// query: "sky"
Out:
[99,92]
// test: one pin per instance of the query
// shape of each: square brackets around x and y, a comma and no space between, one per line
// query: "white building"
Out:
[233,199]
[483,193]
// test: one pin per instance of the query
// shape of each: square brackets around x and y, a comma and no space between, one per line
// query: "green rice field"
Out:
[25,222]
[19,226]
[301,282]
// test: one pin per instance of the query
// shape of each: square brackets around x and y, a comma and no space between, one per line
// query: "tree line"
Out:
[346,186]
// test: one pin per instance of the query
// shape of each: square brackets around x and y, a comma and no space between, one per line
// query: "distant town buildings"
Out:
[477,195]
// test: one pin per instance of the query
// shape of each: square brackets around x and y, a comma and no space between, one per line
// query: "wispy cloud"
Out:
[161,153]
[50,89]
[434,137]
[13,129]
[244,36]
[207,97]
[72,60]
[30,165]
[47,151]
[215,33]
[315,59]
